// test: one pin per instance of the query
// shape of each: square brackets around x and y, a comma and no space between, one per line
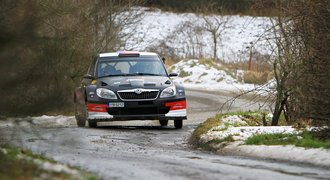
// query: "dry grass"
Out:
[253,77]
[202,129]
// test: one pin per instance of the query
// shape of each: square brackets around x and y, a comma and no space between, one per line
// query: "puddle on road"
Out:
[109,137]
[106,139]
[36,139]
[193,157]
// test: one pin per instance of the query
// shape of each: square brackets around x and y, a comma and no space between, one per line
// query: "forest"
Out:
[242,7]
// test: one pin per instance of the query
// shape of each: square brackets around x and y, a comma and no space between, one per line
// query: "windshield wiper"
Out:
[147,74]
[110,75]
[132,74]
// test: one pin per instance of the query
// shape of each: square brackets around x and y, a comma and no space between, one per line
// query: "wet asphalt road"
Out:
[143,150]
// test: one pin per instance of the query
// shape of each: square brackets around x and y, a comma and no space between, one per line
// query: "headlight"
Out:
[168,92]
[105,93]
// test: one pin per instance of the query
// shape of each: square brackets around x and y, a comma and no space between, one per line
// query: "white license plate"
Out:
[116,104]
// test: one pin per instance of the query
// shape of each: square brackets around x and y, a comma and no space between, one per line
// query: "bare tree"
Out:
[301,62]
[191,41]
[215,25]
[114,23]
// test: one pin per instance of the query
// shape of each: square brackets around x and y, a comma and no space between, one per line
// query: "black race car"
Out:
[129,85]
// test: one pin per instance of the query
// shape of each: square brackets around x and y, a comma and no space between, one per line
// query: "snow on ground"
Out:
[320,157]
[244,132]
[158,27]
[198,75]
[49,166]
[44,121]
[235,126]
[181,32]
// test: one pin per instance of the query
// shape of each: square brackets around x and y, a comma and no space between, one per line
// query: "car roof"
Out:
[117,54]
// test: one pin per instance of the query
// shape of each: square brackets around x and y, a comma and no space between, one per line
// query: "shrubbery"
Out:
[248,7]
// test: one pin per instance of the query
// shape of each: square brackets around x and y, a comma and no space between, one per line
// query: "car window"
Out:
[130,66]
[123,67]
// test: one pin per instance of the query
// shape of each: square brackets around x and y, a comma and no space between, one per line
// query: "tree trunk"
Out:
[215,43]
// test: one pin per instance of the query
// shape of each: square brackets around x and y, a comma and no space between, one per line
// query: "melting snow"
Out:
[44,121]
[206,77]
[318,156]
[242,132]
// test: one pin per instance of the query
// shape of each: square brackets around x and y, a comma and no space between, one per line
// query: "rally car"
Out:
[129,85]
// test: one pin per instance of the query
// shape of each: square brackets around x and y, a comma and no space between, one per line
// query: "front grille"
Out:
[147,95]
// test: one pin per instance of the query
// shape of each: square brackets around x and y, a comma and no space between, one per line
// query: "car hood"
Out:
[131,82]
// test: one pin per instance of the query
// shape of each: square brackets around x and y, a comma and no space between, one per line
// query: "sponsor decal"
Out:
[176,105]
[97,107]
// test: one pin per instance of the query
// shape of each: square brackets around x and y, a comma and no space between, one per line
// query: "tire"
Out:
[178,124]
[163,122]
[92,124]
[81,115]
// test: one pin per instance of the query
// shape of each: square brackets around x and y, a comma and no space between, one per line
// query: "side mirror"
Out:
[173,75]
[88,76]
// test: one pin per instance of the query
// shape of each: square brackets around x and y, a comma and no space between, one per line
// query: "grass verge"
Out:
[210,123]
[203,128]
[16,163]
[306,139]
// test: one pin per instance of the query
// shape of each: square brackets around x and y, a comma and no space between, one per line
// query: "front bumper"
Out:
[174,109]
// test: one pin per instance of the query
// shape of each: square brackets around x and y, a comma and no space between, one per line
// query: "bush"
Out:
[184,73]
[253,77]
[250,7]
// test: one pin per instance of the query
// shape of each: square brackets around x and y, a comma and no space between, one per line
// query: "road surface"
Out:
[143,150]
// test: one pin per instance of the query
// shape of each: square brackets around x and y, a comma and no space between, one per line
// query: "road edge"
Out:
[313,156]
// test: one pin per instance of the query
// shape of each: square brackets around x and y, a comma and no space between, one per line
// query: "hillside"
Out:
[207,75]
[183,36]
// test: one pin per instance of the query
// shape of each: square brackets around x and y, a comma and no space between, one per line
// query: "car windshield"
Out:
[130,67]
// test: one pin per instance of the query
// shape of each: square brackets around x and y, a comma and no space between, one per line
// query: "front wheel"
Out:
[178,124]
[81,115]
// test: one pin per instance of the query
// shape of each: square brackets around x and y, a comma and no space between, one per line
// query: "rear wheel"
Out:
[178,124]
[81,115]
[163,122]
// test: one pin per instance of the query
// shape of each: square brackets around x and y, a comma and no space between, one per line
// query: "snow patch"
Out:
[318,156]
[233,120]
[197,75]
[54,167]
[43,121]
[244,132]
[54,120]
